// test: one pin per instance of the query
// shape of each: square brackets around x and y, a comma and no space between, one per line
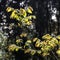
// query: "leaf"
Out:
[16,49]
[54,40]
[29,9]
[27,51]
[12,47]
[58,52]
[46,37]
[26,20]
[23,34]
[16,17]
[19,41]
[35,39]
[9,9]
[37,45]
[29,41]
[23,12]
[29,23]
[34,17]
[39,51]
[13,14]
[31,16]
[58,37]
[33,52]
[45,54]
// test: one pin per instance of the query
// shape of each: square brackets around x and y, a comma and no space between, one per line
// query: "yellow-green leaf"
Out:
[58,37]
[9,9]
[23,12]
[29,9]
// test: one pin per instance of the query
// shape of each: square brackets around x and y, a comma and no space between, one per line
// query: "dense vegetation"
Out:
[24,32]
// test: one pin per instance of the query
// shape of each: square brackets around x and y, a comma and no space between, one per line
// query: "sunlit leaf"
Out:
[9,9]
[34,17]
[33,52]
[35,39]
[29,41]
[16,49]
[54,40]
[39,51]
[23,12]
[58,37]
[37,44]
[29,23]
[46,37]
[26,20]
[13,14]
[16,17]
[23,34]
[58,52]
[45,54]
[18,41]
[12,47]
[29,9]
[27,51]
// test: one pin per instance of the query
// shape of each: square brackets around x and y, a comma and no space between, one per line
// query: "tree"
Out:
[28,40]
